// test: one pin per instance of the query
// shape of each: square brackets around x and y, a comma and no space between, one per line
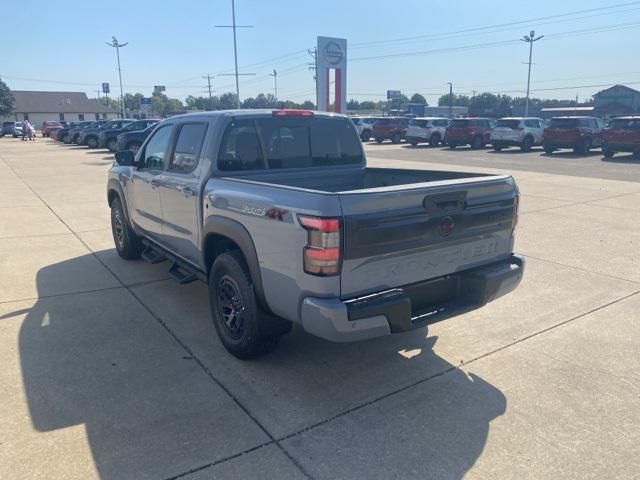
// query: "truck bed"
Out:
[341,181]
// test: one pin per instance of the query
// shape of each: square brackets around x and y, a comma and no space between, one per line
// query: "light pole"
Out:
[117,46]
[450,100]
[275,83]
[530,39]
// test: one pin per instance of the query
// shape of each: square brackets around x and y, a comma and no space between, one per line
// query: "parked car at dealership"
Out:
[390,128]
[622,135]
[74,133]
[90,136]
[364,125]
[469,131]
[108,137]
[579,133]
[8,127]
[525,132]
[426,129]
[48,125]
[17,129]
[133,140]
[54,132]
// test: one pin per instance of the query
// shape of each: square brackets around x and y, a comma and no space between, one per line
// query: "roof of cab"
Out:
[257,112]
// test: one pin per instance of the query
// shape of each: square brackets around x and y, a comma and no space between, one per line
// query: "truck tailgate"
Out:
[395,236]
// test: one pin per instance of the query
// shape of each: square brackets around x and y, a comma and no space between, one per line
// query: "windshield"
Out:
[563,123]
[625,123]
[508,123]
[293,142]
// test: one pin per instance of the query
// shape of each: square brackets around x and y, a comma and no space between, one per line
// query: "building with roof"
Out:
[617,100]
[38,107]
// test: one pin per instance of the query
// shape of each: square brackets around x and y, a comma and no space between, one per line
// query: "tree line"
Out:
[162,105]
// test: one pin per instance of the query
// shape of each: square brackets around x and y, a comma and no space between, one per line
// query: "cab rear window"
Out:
[278,143]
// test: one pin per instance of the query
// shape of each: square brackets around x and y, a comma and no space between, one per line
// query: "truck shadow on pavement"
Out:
[100,359]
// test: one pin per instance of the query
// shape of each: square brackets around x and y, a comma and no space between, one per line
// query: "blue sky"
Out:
[175,43]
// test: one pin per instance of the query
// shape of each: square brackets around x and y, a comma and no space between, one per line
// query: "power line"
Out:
[476,29]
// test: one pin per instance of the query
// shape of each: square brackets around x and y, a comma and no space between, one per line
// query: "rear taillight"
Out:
[322,253]
[516,208]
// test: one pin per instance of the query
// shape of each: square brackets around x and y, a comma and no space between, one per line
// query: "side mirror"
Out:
[126,158]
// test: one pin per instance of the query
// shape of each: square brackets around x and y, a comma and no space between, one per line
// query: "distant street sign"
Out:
[394,94]
[159,88]
[145,101]
[105,87]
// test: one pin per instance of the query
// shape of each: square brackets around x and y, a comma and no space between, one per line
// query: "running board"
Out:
[153,255]
[182,274]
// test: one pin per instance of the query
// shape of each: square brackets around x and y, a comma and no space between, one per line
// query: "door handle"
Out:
[187,191]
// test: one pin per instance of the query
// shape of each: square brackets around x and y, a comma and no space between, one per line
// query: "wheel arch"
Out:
[221,234]
[114,190]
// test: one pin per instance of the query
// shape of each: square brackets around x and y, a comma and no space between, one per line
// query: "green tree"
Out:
[260,101]
[228,101]
[112,103]
[417,98]
[6,99]
[132,101]
[353,104]
[458,100]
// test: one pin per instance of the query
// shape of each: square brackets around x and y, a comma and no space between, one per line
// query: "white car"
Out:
[523,132]
[426,129]
[364,126]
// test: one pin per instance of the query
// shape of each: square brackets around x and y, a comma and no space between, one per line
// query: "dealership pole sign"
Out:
[105,87]
[331,56]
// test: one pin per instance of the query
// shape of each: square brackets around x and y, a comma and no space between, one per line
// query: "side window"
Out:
[156,148]
[531,123]
[240,149]
[599,123]
[188,146]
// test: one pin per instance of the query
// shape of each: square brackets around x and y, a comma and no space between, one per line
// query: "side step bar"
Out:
[180,271]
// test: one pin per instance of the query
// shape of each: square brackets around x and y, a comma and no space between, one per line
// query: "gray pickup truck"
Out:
[278,213]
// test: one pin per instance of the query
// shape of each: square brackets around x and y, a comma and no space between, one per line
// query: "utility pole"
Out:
[235,49]
[275,83]
[208,77]
[530,39]
[450,100]
[117,46]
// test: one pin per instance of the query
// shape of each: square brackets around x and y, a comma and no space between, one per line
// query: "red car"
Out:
[623,135]
[390,128]
[579,133]
[469,131]
[48,125]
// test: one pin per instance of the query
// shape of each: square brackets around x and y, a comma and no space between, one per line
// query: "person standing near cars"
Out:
[25,127]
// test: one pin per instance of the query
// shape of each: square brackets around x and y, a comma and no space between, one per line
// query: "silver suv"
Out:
[523,132]
[426,129]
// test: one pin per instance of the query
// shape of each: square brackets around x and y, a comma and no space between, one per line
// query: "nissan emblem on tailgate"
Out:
[446,226]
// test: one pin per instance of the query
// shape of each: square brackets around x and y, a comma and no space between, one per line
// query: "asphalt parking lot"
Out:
[111,370]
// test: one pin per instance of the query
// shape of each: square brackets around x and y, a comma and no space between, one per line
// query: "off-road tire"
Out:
[434,140]
[231,293]
[128,244]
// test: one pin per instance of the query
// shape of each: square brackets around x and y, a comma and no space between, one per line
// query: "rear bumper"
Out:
[411,306]
[504,142]
[622,147]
